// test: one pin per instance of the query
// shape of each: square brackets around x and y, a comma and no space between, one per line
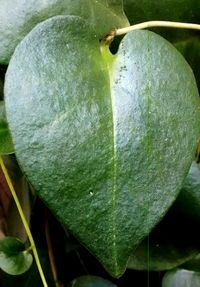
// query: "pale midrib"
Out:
[109,61]
[114,180]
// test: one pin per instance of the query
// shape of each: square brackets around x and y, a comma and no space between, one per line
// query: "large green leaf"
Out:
[181,278]
[6,145]
[105,140]
[14,259]
[91,281]
[17,19]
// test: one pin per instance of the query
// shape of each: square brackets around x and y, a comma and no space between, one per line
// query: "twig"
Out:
[149,24]
[51,253]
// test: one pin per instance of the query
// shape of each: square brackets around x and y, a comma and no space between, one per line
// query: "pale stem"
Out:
[25,223]
[151,24]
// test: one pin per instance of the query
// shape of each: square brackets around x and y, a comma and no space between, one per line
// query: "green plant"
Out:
[106,139]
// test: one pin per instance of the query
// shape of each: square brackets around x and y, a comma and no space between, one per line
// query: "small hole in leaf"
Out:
[114,46]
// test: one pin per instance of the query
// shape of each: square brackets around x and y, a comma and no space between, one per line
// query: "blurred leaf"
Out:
[188,200]
[6,145]
[193,264]
[168,10]
[171,243]
[158,257]
[181,278]
[103,15]
[14,259]
[19,19]
[91,281]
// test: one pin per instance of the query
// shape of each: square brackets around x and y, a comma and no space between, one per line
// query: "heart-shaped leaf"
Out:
[6,145]
[19,19]
[14,259]
[181,278]
[105,140]
[91,281]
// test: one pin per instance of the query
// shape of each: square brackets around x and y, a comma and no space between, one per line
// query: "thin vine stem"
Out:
[151,24]
[25,223]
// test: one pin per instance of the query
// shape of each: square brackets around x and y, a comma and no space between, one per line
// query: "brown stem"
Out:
[51,253]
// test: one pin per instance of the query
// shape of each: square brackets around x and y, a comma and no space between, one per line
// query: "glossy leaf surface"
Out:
[105,140]
[91,281]
[17,20]
[6,145]
[14,259]
[181,277]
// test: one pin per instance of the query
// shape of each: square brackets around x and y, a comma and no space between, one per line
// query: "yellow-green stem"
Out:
[25,223]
